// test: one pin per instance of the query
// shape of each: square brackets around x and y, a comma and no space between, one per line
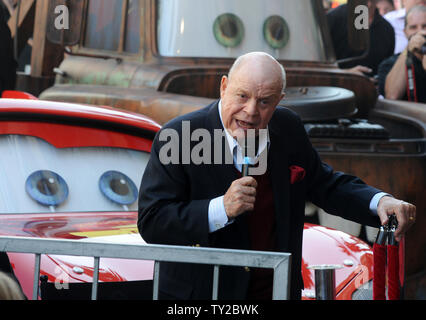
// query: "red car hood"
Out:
[109,227]
[321,245]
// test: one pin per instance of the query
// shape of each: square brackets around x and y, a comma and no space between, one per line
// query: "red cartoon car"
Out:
[72,171]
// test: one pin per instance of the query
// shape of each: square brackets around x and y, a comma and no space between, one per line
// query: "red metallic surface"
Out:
[67,136]
[11,94]
[79,111]
[322,245]
[318,240]
[105,226]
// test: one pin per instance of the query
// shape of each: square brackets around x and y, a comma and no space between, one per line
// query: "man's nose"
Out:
[251,108]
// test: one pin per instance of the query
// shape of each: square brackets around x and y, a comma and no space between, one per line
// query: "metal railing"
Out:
[279,262]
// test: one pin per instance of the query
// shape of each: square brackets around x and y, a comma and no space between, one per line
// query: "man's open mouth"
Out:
[245,125]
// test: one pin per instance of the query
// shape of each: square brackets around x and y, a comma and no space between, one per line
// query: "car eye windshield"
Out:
[286,29]
[41,178]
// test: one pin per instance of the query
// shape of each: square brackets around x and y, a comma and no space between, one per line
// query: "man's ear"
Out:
[223,85]
[281,97]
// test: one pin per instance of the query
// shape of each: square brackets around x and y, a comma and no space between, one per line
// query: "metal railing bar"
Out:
[279,262]
[215,282]
[36,276]
[156,280]
[184,254]
[95,278]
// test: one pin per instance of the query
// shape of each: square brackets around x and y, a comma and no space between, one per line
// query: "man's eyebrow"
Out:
[268,96]
[241,90]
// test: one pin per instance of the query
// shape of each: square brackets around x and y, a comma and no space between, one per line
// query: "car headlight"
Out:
[364,292]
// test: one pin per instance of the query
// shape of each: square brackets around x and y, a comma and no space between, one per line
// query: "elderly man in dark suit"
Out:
[211,204]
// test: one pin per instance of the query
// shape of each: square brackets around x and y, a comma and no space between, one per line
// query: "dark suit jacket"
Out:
[174,201]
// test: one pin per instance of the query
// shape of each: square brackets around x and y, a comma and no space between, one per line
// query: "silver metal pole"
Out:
[215,282]
[325,281]
[95,279]
[36,276]
[156,281]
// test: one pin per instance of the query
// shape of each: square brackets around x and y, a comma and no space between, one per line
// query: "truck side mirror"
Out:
[64,21]
[358,27]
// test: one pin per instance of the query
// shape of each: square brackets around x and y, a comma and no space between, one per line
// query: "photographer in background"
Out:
[409,66]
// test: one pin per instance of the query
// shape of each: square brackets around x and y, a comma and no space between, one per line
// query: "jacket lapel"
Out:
[278,161]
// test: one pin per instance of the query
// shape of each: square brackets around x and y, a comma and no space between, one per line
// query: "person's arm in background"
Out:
[395,82]
[383,71]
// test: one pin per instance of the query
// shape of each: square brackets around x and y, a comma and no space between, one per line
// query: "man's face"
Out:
[249,99]
[416,22]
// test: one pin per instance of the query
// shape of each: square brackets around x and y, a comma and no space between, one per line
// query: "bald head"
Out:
[259,64]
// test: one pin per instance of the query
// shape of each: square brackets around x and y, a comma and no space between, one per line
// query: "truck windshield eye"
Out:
[276,32]
[118,187]
[47,188]
[228,30]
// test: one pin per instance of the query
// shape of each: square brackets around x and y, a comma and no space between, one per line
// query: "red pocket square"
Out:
[296,174]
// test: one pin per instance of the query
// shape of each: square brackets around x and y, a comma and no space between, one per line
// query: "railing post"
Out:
[215,282]
[95,278]
[36,276]
[156,281]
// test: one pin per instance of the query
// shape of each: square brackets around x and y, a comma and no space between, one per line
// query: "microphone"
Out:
[245,167]
[246,159]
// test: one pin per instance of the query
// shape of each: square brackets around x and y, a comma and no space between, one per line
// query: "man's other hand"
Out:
[405,214]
